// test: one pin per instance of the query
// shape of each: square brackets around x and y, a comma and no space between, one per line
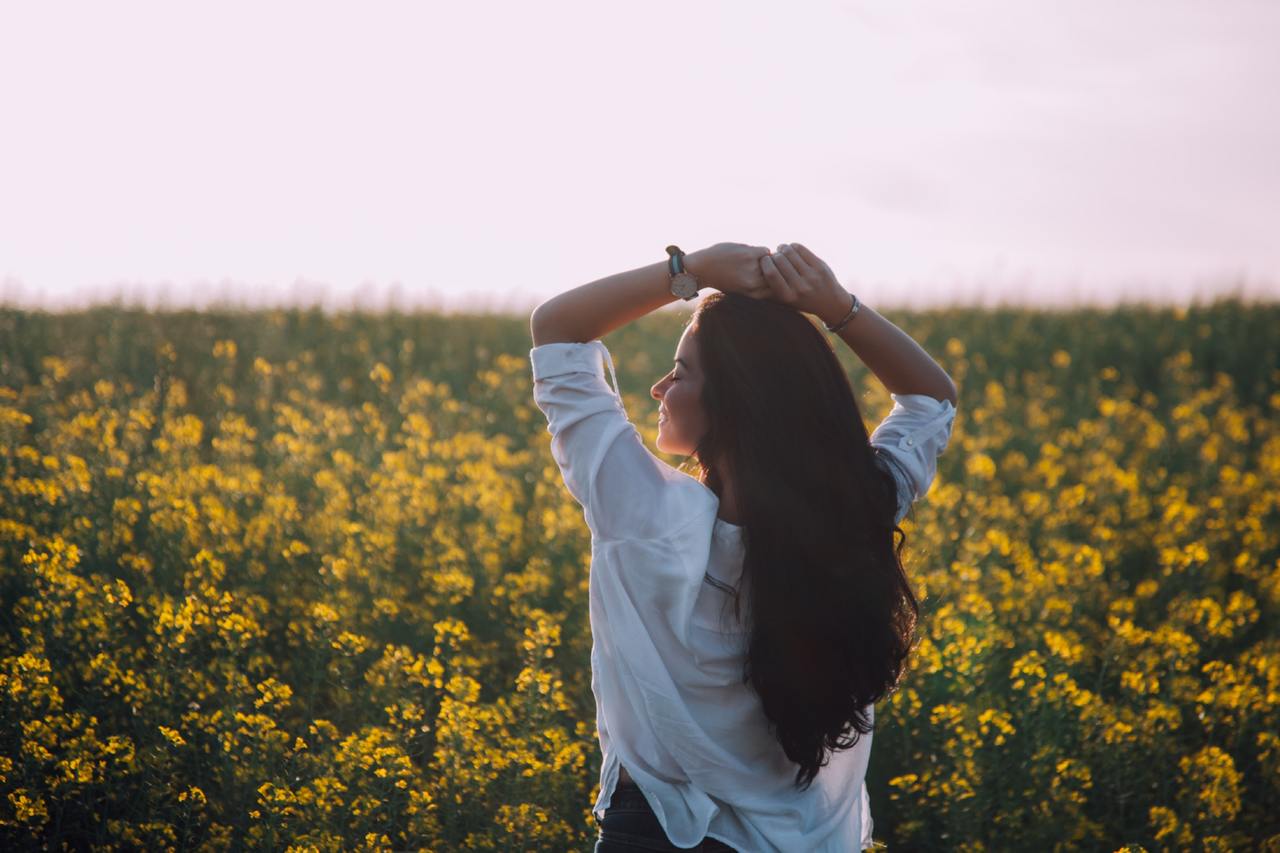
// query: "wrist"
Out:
[695,264]
[837,308]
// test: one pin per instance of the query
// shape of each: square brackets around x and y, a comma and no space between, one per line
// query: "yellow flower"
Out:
[173,736]
[980,466]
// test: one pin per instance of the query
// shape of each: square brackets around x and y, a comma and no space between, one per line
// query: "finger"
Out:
[777,283]
[792,254]
[783,261]
[810,258]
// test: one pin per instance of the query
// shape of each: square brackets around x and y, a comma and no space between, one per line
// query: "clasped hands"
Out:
[792,276]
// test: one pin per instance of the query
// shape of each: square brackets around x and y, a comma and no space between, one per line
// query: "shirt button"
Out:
[909,441]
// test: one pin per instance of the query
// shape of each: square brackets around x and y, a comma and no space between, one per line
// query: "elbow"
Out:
[547,326]
[947,391]
[533,326]
[539,329]
[944,392]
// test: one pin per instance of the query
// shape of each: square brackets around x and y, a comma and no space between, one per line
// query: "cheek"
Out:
[683,402]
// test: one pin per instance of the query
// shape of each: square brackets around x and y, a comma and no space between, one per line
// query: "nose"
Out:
[655,391]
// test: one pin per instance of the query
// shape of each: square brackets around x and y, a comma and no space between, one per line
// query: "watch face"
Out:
[684,285]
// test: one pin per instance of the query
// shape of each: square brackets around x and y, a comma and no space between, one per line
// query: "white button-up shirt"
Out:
[667,652]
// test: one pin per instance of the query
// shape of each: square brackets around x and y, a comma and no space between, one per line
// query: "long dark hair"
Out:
[832,614]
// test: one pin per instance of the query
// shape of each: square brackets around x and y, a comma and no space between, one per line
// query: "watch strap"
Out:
[675,260]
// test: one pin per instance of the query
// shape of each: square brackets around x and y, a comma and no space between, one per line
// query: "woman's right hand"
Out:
[800,279]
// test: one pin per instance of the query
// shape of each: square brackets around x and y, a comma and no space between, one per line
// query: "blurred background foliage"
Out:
[287,578]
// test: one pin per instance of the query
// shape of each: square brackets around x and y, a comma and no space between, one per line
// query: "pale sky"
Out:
[494,154]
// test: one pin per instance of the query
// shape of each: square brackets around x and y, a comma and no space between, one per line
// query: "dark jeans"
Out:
[629,825]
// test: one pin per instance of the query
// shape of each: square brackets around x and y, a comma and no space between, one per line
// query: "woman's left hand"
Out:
[730,267]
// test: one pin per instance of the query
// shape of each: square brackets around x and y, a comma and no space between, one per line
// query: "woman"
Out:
[744,622]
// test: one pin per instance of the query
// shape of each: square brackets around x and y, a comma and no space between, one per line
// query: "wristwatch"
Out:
[683,284]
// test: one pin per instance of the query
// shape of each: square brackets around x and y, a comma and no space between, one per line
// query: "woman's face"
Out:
[681,421]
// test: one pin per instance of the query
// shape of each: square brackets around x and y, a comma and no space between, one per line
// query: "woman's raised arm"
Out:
[591,311]
[802,280]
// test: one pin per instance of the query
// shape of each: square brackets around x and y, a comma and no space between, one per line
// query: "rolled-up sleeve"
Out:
[625,491]
[911,437]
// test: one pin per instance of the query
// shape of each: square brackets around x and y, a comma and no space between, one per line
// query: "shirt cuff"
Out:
[921,403]
[933,416]
[566,357]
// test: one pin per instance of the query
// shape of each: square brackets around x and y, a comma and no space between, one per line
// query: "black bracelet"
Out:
[854,310]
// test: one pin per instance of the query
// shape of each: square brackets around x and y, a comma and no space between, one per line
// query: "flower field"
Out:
[293,580]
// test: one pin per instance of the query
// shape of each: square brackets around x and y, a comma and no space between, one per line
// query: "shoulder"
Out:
[677,510]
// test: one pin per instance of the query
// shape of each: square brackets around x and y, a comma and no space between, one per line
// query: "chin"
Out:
[664,444]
